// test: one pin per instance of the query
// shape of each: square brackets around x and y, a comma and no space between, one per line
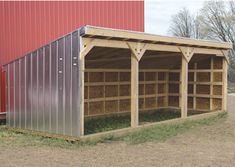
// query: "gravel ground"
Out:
[202,146]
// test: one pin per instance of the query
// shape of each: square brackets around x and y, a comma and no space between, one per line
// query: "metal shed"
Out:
[98,71]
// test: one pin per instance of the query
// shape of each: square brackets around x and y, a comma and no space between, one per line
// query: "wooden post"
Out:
[81,88]
[184,88]
[134,91]
[211,83]
[225,85]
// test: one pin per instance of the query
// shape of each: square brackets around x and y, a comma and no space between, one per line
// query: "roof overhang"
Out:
[133,36]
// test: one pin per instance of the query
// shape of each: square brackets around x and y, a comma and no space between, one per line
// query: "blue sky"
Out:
[158,13]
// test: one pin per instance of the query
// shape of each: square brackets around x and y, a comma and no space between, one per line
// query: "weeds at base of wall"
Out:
[159,133]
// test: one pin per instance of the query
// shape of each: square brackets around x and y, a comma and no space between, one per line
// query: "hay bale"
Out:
[96,77]
[174,76]
[96,108]
[218,63]
[190,88]
[96,92]
[125,76]
[150,76]
[150,89]
[217,104]
[111,106]
[111,77]
[203,89]
[174,88]
[150,102]
[111,90]
[173,101]
[217,76]
[125,90]
[161,88]
[217,90]
[203,76]
[125,105]
[202,103]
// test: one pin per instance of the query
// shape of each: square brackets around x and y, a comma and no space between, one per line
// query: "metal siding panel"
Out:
[17,97]
[11,94]
[67,88]
[28,92]
[47,99]
[75,85]
[68,94]
[40,90]
[53,87]
[22,93]
[61,109]
[34,94]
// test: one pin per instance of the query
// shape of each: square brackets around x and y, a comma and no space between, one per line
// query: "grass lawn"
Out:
[94,125]
[10,137]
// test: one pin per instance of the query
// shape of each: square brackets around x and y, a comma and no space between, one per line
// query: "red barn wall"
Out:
[26,26]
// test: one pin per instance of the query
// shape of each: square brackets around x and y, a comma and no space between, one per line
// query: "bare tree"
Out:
[218,20]
[215,21]
[182,24]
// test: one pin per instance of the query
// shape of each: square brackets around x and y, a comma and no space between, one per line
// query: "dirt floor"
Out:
[202,146]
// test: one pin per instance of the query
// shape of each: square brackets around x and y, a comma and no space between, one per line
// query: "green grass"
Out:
[122,121]
[10,137]
[95,125]
[163,132]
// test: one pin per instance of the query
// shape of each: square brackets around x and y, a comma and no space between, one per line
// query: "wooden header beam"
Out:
[139,48]
[108,33]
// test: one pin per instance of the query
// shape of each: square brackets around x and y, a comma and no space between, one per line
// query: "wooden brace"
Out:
[187,52]
[138,49]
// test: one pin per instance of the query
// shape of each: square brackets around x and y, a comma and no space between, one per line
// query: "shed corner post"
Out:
[81,88]
[225,84]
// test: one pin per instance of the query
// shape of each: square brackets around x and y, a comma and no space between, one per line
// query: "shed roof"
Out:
[117,34]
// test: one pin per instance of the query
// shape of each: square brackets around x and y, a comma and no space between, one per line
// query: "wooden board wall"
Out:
[107,91]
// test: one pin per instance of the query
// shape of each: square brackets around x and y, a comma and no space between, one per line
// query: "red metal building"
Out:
[26,26]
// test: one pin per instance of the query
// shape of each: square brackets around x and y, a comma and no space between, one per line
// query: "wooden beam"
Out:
[87,45]
[225,85]
[211,85]
[184,87]
[81,87]
[142,47]
[134,91]
[225,54]
[130,35]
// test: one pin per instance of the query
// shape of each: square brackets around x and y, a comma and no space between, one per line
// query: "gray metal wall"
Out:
[43,89]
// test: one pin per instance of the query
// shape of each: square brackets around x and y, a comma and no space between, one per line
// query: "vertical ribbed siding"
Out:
[29,25]
[44,92]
